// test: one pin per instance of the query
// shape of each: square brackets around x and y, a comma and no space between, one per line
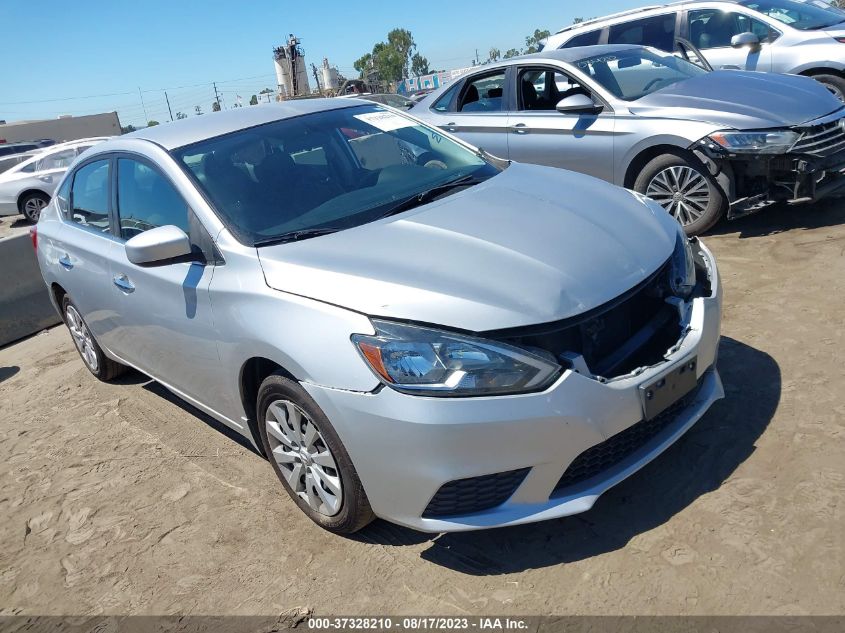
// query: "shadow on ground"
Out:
[8,372]
[697,464]
[781,218]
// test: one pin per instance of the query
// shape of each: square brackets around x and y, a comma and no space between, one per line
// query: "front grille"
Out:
[474,494]
[820,140]
[631,331]
[599,458]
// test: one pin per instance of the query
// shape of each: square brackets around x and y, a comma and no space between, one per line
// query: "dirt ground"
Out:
[117,499]
[12,225]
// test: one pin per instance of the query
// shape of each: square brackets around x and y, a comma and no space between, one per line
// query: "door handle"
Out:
[122,282]
[451,127]
[65,262]
[519,128]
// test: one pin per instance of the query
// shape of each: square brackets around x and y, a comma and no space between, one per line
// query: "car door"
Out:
[85,242]
[475,111]
[711,31]
[162,311]
[540,134]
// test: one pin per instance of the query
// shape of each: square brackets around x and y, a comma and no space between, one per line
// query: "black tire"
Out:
[106,369]
[834,83]
[355,511]
[32,204]
[717,203]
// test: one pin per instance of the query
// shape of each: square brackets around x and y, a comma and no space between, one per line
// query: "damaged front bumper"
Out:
[756,181]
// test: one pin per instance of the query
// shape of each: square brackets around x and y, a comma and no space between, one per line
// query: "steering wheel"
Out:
[430,161]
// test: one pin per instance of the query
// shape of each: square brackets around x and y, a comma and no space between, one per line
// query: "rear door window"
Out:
[657,31]
[483,94]
[90,197]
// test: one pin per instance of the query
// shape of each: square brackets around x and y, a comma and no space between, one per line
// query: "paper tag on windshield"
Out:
[385,121]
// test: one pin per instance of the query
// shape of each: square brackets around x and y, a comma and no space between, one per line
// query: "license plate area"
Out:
[661,393]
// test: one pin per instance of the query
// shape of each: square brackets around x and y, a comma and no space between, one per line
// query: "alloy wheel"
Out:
[303,457]
[835,91]
[82,338]
[683,191]
[32,208]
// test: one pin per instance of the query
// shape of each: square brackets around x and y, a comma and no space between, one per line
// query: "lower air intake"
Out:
[474,494]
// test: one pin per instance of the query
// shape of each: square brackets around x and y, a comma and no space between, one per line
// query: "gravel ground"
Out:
[119,499]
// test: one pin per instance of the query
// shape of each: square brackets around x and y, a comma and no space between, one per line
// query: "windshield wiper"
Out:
[296,236]
[422,197]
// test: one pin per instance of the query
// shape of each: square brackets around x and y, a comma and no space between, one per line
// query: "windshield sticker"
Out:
[385,121]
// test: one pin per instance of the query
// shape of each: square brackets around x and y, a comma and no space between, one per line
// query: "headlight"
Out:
[426,361]
[682,278]
[764,142]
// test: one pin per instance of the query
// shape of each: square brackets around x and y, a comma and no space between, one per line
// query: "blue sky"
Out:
[105,50]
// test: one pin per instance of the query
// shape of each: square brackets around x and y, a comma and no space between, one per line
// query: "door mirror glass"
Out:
[578,104]
[158,245]
[745,39]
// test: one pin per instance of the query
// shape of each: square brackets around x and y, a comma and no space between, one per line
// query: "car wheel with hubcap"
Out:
[309,458]
[684,187]
[33,204]
[89,350]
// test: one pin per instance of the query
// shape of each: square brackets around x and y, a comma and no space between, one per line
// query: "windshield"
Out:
[804,16]
[329,170]
[635,73]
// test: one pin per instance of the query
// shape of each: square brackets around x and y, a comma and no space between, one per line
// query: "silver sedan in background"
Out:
[27,187]
[703,144]
[404,327]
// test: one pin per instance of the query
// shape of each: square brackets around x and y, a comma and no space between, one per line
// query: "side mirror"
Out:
[158,245]
[578,104]
[746,39]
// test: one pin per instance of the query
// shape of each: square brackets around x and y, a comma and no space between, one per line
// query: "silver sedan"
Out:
[27,187]
[702,144]
[404,327]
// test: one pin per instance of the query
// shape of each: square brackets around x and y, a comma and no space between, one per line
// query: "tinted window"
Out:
[445,100]
[657,31]
[146,199]
[483,94]
[328,170]
[90,196]
[28,168]
[712,28]
[542,88]
[585,39]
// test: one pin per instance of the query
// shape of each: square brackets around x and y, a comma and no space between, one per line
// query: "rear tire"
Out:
[683,185]
[834,83]
[308,457]
[89,350]
[32,205]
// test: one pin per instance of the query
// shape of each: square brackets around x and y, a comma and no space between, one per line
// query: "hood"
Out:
[741,100]
[530,245]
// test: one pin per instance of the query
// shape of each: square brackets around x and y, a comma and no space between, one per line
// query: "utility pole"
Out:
[316,78]
[142,103]
[477,61]
[166,98]
[217,96]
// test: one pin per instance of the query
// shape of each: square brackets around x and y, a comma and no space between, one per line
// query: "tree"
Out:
[532,42]
[266,91]
[215,107]
[253,100]
[362,64]
[511,52]
[181,115]
[419,65]
[126,129]
[198,110]
[152,123]
[494,55]
[392,60]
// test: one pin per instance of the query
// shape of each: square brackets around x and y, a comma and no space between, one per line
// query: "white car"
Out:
[28,187]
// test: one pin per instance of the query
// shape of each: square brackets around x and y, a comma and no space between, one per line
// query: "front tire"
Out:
[89,350]
[33,204]
[309,458]
[834,83]
[683,186]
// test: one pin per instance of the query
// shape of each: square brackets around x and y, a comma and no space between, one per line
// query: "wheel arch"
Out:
[57,295]
[640,160]
[27,192]
[253,372]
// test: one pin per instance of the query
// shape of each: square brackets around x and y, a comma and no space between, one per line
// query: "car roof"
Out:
[177,134]
[631,13]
